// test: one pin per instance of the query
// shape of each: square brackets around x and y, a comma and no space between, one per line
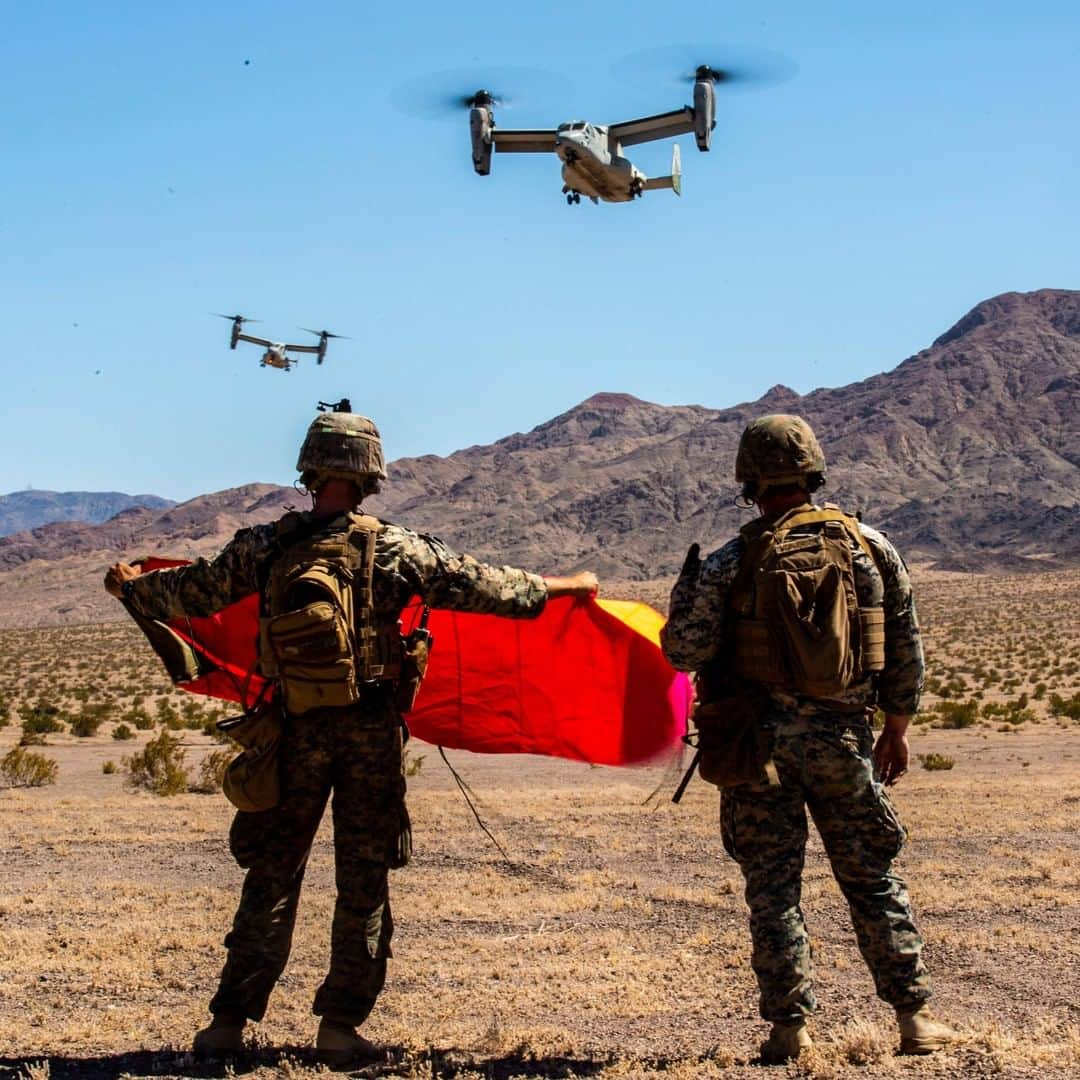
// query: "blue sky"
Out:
[925,156]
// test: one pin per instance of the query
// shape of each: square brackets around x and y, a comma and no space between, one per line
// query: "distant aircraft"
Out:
[276,355]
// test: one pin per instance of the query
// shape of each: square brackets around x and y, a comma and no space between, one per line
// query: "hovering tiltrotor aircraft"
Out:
[593,163]
[276,355]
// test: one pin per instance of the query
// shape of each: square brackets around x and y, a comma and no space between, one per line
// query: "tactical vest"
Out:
[797,621]
[317,631]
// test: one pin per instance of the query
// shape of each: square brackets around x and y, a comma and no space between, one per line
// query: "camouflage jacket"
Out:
[698,609]
[407,564]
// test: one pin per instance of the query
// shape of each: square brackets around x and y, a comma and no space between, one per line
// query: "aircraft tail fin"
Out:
[674,181]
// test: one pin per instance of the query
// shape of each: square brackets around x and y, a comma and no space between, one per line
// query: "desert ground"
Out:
[613,940]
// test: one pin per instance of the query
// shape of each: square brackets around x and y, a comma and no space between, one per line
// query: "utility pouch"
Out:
[415,650]
[733,746]
[313,656]
[252,780]
[872,627]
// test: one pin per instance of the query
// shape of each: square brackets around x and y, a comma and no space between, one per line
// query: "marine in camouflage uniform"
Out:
[824,757]
[356,752]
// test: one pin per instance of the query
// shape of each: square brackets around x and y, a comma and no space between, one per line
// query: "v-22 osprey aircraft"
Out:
[592,154]
[277,352]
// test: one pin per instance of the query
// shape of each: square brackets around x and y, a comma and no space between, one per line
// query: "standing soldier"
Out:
[806,621]
[332,584]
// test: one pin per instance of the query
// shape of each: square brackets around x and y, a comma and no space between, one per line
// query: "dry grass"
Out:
[615,945]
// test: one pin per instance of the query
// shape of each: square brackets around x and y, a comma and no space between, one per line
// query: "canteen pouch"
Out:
[734,747]
[252,780]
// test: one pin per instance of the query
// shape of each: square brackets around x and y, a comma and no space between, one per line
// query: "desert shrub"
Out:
[413,765]
[168,717]
[23,768]
[1012,712]
[87,722]
[122,732]
[1066,707]
[957,714]
[108,767]
[158,767]
[139,719]
[936,762]
[212,771]
[40,719]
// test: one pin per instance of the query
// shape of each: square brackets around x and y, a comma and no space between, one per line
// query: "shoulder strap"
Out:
[821,515]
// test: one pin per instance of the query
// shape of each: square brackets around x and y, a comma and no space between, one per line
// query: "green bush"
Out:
[212,771]
[23,768]
[41,719]
[957,714]
[122,733]
[87,722]
[108,767]
[139,719]
[1066,707]
[158,767]
[168,717]
[936,762]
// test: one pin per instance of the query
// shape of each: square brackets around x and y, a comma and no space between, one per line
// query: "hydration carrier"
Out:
[317,634]
[798,624]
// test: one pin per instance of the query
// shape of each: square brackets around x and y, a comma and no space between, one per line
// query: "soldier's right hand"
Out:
[117,575]
[581,585]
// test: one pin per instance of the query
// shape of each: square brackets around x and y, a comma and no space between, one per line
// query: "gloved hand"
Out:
[682,595]
[692,562]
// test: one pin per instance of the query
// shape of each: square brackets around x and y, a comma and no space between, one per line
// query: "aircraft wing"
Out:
[302,348]
[254,340]
[662,126]
[523,141]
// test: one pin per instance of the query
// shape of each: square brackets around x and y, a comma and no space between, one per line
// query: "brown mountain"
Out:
[967,453]
[22,510]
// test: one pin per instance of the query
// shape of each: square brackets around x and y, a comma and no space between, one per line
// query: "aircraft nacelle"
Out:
[480,124]
[704,112]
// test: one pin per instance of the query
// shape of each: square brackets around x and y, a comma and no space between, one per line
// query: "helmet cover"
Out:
[341,445]
[778,449]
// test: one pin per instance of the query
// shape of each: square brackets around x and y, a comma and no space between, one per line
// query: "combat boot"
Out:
[785,1043]
[222,1036]
[921,1033]
[338,1046]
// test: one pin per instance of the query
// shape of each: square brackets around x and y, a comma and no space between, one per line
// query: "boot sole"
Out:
[919,1047]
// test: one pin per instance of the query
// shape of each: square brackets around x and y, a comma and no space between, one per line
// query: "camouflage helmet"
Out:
[344,446]
[778,449]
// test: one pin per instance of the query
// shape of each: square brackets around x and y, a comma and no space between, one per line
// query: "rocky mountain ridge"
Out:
[967,454]
[32,508]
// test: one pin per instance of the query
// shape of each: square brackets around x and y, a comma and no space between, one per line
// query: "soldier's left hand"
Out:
[117,575]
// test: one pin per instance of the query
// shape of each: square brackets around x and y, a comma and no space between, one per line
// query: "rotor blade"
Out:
[453,90]
[234,318]
[728,65]
[320,333]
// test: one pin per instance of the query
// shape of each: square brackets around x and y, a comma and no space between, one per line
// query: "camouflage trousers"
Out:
[826,766]
[356,754]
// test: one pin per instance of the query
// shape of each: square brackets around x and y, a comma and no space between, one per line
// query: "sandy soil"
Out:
[613,943]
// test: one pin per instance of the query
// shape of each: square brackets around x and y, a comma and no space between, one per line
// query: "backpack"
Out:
[317,632]
[797,621]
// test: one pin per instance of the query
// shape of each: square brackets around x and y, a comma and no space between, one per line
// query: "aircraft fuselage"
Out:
[590,167]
